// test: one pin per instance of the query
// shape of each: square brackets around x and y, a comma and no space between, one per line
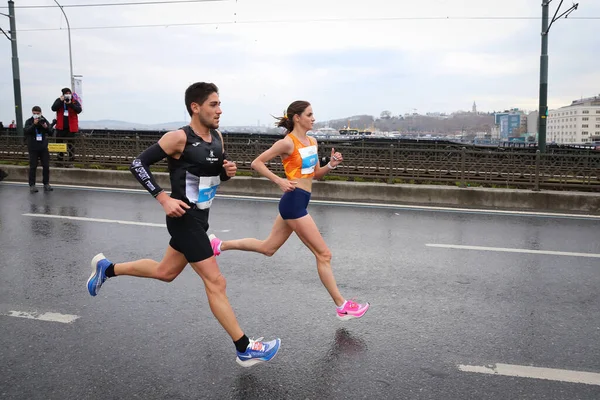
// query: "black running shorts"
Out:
[188,235]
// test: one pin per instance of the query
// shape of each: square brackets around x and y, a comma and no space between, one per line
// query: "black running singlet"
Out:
[195,175]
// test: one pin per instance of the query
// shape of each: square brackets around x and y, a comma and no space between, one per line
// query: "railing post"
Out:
[463,163]
[83,150]
[536,186]
[391,175]
[137,145]
[255,174]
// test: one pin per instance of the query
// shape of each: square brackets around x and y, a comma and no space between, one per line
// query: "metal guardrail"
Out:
[389,163]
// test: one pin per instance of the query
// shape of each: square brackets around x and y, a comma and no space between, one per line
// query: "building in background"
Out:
[511,124]
[495,132]
[578,122]
[532,124]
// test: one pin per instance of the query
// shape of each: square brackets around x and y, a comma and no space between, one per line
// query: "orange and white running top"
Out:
[301,163]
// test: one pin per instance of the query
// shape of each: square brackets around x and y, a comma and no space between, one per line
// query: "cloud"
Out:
[346,67]
[481,64]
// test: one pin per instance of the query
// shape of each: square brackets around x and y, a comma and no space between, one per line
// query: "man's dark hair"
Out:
[36,108]
[198,93]
[66,90]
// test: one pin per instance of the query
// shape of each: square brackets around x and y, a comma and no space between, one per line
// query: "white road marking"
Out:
[422,208]
[523,371]
[507,250]
[48,316]
[110,221]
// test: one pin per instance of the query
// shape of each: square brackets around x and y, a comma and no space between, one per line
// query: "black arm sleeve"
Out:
[140,168]
[223,174]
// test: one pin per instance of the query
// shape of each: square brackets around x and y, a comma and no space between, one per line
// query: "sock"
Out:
[343,304]
[110,271]
[242,344]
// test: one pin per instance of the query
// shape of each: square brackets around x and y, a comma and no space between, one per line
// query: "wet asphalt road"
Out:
[432,308]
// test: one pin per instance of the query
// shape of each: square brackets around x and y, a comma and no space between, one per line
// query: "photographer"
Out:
[37,130]
[67,110]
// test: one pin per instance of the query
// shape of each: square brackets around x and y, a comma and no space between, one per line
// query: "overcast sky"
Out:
[261,64]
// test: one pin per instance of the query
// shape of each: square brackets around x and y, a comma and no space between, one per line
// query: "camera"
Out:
[36,116]
[67,97]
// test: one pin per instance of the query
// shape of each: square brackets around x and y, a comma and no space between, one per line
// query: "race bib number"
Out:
[207,190]
[309,159]
[38,137]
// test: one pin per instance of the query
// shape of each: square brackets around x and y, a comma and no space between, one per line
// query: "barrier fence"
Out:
[364,160]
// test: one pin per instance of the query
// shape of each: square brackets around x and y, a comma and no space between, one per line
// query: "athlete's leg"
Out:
[171,265]
[307,231]
[280,233]
[215,286]
[249,352]
[166,270]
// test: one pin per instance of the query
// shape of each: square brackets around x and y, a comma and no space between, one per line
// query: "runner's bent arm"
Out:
[336,159]
[281,148]
[229,168]
[170,144]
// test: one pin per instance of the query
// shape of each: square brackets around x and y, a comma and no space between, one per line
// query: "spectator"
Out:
[67,110]
[37,130]
[12,125]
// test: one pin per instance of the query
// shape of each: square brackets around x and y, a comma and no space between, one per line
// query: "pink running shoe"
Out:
[352,310]
[215,243]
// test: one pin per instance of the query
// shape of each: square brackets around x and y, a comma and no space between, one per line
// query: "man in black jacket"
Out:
[37,129]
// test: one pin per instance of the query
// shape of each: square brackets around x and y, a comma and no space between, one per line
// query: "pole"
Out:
[15,68]
[70,53]
[543,106]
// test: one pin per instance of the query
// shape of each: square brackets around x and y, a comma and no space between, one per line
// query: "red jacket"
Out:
[74,109]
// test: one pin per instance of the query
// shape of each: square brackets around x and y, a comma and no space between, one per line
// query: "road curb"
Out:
[430,195]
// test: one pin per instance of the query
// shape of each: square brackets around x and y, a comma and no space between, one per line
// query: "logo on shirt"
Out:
[195,144]
[211,157]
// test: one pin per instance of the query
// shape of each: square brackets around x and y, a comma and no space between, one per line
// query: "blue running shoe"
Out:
[258,352]
[99,265]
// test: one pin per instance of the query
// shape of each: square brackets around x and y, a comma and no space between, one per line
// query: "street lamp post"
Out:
[543,105]
[15,65]
[70,54]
